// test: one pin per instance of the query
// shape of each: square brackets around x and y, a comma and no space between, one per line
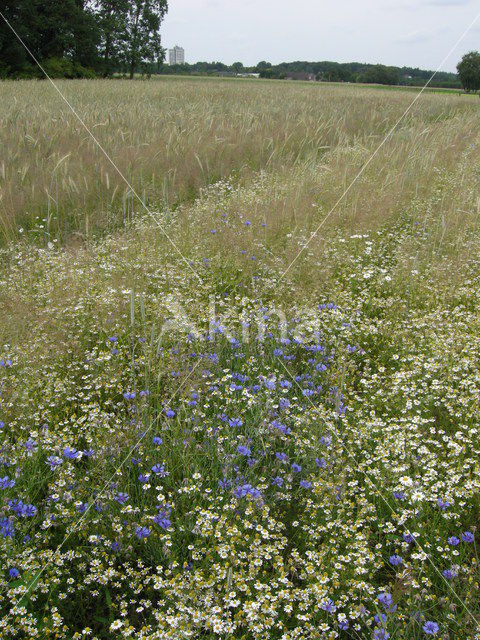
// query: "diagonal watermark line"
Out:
[380,146]
[106,485]
[382,497]
[102,149]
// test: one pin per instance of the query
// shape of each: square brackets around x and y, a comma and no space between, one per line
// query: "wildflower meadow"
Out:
[239,395]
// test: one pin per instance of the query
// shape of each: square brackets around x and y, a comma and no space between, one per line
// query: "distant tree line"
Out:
[323,71]
[81,38]
[89,38]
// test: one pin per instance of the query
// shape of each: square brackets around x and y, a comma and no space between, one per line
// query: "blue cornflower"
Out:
[282,457]
[467,536]
[430,628]
[305,484]
[343,625]
[7,529]
[243,450]
[162,519]
[243,490]
[381,634]
[448,574]
[278,481]
[398,495]
[328,606]
[443,504]
[320,462]
[395,560]
[29,511]
[169,413]
[453,541]
[70,453]
[409,538]
[21,509]
[296,468]
[385,599]
[121,498]
[159,470]
[142,532]
[14,573]
[144,478]
[380,619]
[6,483]
[157,440]
[53,462]
[235,422]
[247,490]
[281,427]
[129,395]
[30,446]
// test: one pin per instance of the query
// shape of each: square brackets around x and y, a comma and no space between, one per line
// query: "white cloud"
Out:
[421,35]
[398,32]
[448,3]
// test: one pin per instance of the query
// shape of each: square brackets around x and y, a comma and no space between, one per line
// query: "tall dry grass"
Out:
[172,137]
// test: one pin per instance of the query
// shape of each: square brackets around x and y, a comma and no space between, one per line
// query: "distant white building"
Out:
[176,55]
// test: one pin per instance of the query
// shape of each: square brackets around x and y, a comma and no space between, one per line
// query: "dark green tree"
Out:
[262,65]
[112,18]
[141,34]
[380,74]
[469,71]
[86,31]
[13,57]
[61,35]
[79,37]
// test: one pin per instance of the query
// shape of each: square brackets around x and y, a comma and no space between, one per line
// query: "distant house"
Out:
[300,75]
[176,55]
[248,75]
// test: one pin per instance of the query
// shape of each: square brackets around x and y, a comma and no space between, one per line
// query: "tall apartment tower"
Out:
[176,55]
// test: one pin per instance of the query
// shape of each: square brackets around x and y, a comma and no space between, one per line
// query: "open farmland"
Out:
[239,394]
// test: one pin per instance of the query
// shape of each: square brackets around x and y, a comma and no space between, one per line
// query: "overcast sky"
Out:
[397,32]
